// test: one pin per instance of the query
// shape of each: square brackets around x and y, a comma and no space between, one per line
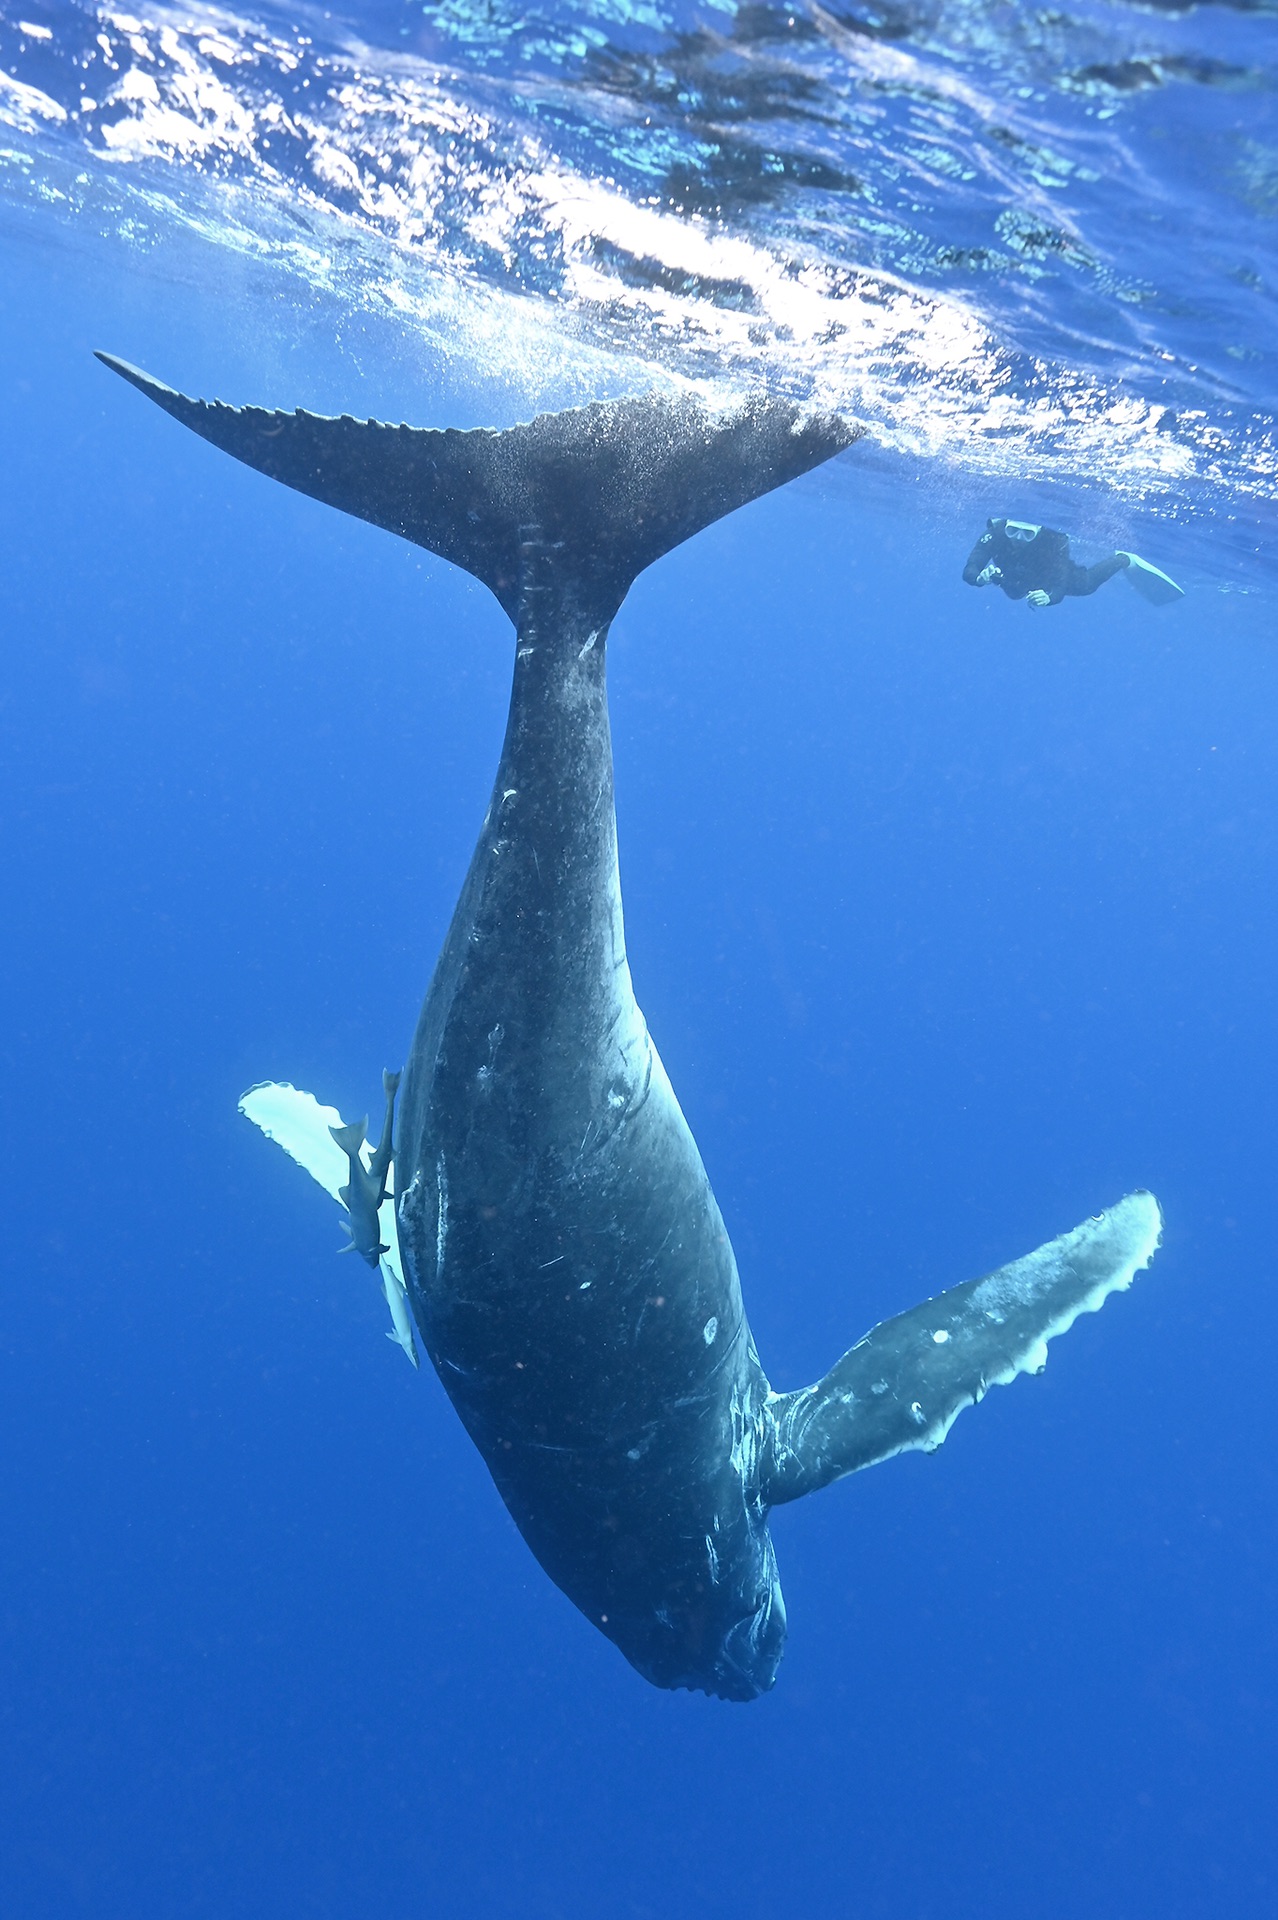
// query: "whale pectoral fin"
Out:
[299,1124]
[908,1380]
[307,1131]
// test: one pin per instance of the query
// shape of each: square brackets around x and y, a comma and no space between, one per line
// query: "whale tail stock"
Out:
[908,1380]
[607,488]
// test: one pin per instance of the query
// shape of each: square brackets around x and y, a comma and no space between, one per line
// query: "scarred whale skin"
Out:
[568,1268]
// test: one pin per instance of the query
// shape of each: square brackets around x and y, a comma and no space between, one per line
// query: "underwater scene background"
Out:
[952,921]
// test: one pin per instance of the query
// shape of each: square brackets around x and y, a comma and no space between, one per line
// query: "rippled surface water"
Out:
[1024,241]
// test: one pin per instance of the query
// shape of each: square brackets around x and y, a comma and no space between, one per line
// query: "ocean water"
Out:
[953,922]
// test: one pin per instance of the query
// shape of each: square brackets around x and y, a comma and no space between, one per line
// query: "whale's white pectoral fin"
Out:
[907,1381]
[297,1122]
[389,1226]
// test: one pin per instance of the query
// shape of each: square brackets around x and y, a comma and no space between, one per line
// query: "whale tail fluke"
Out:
[607,488]
[908,1380]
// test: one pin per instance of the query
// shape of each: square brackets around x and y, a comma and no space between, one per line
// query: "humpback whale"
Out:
[567,1266]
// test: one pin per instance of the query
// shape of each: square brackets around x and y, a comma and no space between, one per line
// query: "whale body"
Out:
[568,1269]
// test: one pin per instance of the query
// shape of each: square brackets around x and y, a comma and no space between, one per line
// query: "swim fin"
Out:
[1150,582]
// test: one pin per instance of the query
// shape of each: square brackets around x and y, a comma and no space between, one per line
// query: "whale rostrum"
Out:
[567,1267]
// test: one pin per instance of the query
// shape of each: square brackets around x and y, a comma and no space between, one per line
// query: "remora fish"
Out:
[567,1266]
[365,1188]
[305,1130]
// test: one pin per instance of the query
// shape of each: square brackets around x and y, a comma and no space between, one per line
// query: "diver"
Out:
[1034,563]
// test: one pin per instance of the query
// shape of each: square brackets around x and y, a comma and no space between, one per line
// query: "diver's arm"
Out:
[977,571]
[1054,567]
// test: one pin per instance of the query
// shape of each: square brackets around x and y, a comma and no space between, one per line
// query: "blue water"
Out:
[952,922]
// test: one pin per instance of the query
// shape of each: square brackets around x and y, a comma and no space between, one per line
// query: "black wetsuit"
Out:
[1040,565]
